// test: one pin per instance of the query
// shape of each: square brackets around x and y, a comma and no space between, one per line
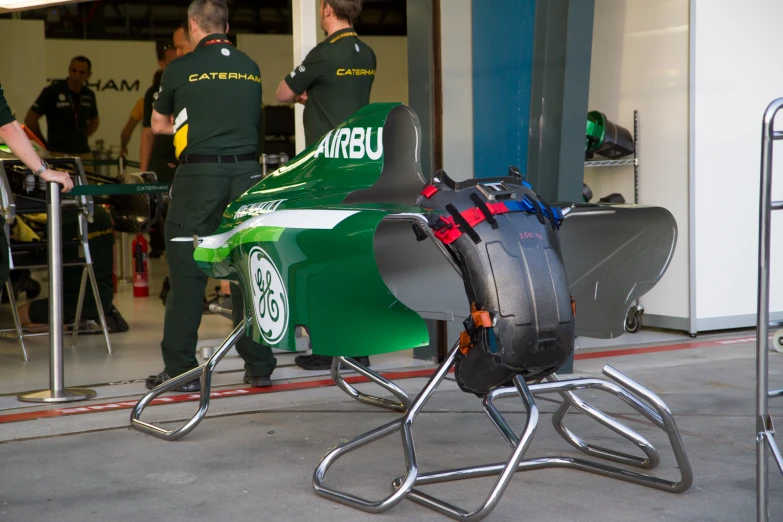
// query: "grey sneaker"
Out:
[258,382]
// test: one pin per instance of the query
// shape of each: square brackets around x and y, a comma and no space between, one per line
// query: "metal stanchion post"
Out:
[765,436]
[57,391]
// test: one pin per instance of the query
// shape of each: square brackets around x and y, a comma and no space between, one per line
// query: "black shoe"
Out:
[33,289]
[313,362]
[115,322]
[258,382]
[154,381]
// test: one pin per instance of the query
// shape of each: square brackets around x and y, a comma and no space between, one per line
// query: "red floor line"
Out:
[322,383]
[234,392]
[653,349]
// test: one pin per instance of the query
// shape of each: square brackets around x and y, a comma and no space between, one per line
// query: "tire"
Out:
[777,341]
[633,322]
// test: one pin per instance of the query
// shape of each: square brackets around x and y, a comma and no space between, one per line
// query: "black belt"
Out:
[217,158]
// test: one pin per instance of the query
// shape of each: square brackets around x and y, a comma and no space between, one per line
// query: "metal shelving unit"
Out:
[634,320]
[625,162]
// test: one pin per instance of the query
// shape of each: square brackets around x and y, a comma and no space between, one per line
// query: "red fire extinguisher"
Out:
[141,281]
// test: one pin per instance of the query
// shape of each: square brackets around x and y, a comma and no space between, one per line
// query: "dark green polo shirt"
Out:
[6,116]
[214,94]
[337,75]
[67,114]
[163,146]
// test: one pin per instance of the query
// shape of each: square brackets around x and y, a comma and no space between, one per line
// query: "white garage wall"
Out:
[457,85]
[22,42]
[274,55]
[737,74]
[640,61]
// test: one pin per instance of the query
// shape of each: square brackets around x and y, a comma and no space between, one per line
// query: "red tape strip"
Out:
[429,191]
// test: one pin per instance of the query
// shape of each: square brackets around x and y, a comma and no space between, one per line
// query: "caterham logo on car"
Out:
[270,300]
[352,143]
[255,209]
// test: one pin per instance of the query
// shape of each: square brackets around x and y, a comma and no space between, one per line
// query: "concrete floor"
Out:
[253,457]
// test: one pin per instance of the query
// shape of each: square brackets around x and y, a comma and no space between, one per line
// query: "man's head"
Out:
[79,71]
[182,39]
[166,53]
[207,17]
[339,14]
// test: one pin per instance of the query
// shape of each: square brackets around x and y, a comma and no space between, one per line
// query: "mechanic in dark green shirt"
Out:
[70,109]
[157,151]
[336,77]
[210,101]
[333,82]
[12,134]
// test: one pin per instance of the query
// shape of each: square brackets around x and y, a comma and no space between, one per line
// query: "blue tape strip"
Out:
[526,206]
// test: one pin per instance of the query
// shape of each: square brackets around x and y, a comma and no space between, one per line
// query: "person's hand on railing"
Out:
[56,176]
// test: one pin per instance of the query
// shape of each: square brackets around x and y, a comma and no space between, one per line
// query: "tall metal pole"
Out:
[54,233]
[762,320]
[57,391]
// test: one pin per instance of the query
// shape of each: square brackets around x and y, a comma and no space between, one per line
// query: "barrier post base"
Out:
[65,395]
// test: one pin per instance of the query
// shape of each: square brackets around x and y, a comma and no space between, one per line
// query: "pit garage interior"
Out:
[678,103]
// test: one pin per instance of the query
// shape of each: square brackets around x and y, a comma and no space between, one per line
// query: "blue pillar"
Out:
[503,40]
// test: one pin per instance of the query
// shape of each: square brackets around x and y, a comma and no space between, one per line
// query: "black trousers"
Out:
[199,195]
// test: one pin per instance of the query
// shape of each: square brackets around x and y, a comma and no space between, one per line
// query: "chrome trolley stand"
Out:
[205,373]
[765,431]
[651,407]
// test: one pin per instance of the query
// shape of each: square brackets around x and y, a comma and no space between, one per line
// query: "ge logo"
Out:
[270,301]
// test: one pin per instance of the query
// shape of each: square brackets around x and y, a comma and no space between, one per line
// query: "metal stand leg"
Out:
[19,331]
[404,425]
[77,320]
[99,305]
[401,406]
[638,397]
[57,391]
[205,370]
[571,400]
[505,471]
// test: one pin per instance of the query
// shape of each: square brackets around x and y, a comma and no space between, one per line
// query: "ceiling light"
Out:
[7,6]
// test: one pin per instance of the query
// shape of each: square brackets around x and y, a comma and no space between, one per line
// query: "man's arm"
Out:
[14,136]
[162,124]
[92,125]
[43,104]
[31,122]
[293,88]
[284,93]
[125,135]
[93,120]
[147,141]
[162,119]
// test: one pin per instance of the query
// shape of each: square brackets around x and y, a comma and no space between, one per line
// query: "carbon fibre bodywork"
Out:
[326,243]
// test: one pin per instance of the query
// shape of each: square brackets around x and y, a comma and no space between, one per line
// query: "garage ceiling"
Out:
[157,19]
[9,6]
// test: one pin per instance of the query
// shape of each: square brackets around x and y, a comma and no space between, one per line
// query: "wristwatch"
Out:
[44,168]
